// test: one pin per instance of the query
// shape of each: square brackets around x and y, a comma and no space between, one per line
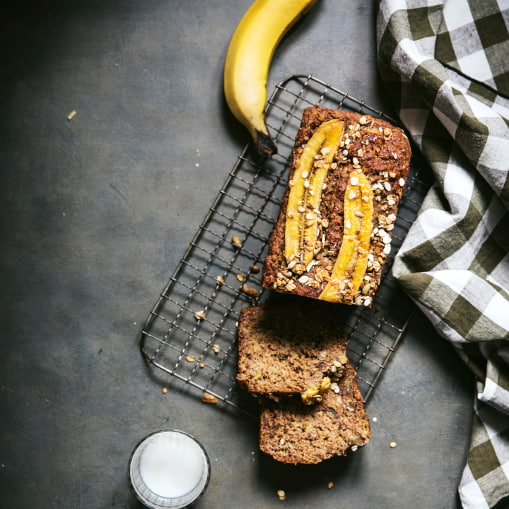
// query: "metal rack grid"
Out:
[190,333]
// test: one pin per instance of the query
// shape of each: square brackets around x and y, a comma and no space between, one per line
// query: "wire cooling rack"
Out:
[190,334]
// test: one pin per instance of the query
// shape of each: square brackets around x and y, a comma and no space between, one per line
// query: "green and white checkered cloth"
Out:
[445,64]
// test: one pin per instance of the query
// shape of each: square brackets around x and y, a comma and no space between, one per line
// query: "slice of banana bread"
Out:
[292,432]
[334,229]
[290,345]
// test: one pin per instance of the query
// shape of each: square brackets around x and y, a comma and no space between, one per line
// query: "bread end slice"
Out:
[292,432]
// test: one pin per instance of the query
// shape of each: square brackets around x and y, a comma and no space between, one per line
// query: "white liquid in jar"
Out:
[172,465]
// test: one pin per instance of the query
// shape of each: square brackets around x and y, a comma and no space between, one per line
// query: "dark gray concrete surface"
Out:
[96,212]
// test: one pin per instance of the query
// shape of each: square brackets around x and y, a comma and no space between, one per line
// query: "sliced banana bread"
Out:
[290,345]
[292,432]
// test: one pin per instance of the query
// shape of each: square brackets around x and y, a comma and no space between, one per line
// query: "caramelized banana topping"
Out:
[307,183]
[351,263]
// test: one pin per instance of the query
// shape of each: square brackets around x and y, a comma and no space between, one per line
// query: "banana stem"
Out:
[264,144]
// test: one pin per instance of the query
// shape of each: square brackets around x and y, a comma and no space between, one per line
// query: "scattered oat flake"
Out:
[241,277]
[200,315]
[202,364]
[236,241]
[215,348]
[220,280]
[71,115]
[392,445]
[252,292]
[255,269]
[190,359]
[330,485]
[208,398]
[281,494]
[164,390]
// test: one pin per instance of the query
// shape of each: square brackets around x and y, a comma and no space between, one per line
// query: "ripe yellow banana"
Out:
[248,61]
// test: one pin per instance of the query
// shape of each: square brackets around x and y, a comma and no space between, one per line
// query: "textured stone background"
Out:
[95,214]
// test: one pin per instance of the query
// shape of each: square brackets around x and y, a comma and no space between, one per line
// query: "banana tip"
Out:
[264,143]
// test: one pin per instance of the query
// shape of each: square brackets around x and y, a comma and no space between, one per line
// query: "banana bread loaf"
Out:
[292,432]
[290,345]
[334,229]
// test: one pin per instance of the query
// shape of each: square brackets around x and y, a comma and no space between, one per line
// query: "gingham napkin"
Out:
[445,64]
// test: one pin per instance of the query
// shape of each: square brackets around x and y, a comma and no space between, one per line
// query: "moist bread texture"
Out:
[345,221]
[292,432]
[290,346]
